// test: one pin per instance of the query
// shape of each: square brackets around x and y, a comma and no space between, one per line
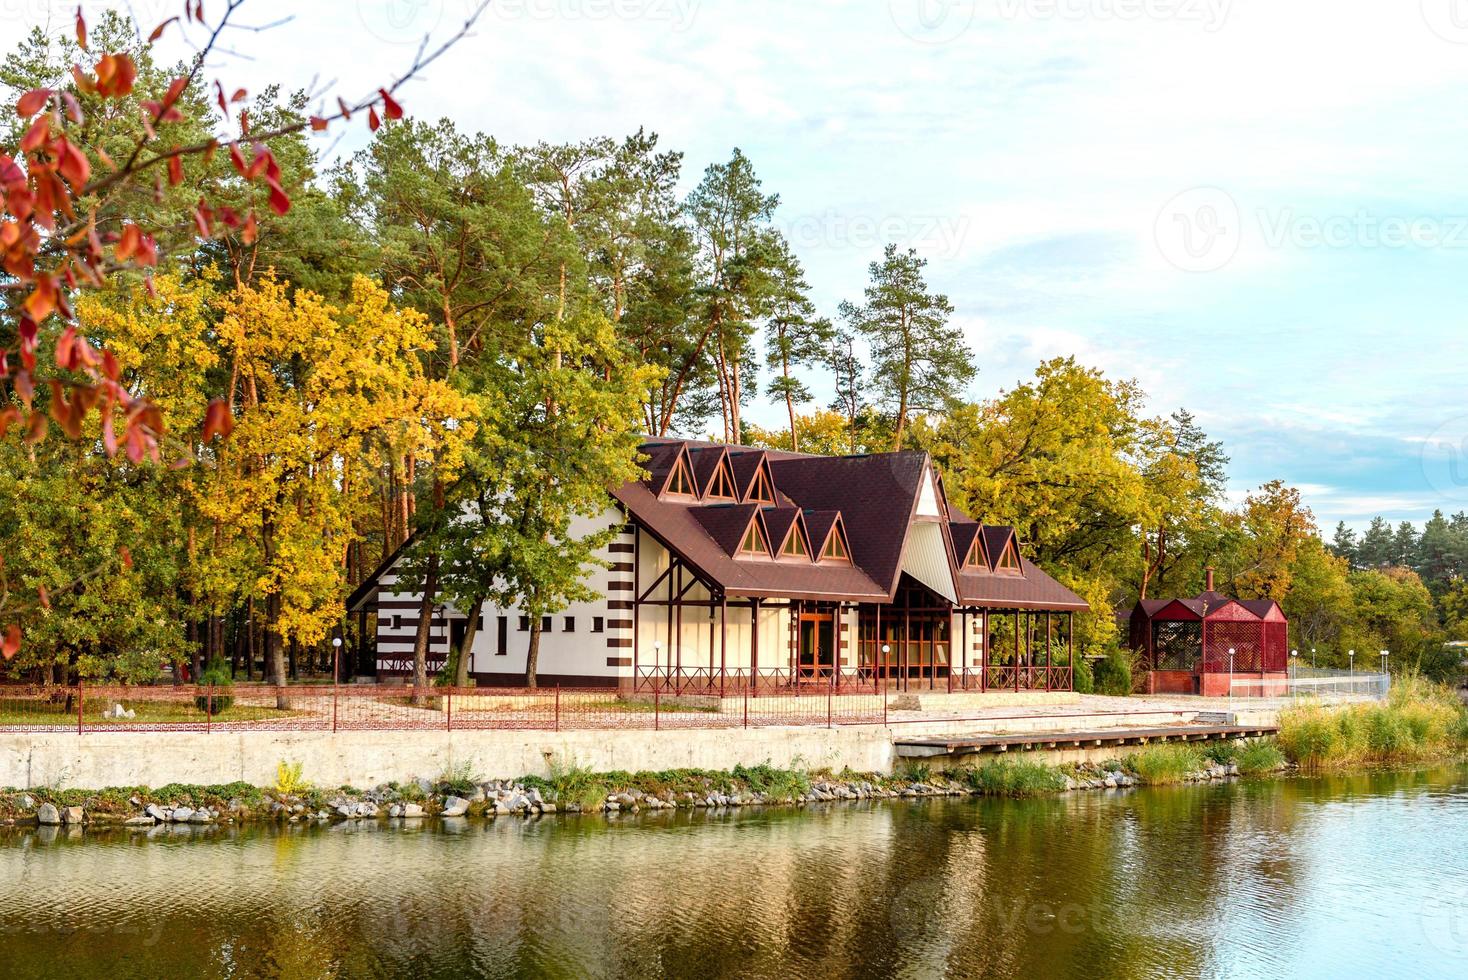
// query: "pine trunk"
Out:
[425,626]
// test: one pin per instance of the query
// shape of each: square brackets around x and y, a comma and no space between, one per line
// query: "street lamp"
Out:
[1384,655]
[1352,655]
[336,659]
[1312,658]
[1294,654]
[1230,673]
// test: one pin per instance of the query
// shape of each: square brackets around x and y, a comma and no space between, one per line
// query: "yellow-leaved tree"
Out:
[323,396]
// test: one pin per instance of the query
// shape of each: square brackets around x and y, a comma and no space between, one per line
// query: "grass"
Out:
[18,712]
[1158,765]
[1014,779]
[1418,720]
[1259,756]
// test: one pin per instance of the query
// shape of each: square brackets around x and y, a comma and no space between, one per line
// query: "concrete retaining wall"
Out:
[365,759]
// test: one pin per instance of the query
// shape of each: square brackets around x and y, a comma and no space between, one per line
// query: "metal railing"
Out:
[1305,682]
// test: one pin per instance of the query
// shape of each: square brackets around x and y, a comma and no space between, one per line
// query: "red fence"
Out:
[323,708]
[779,682]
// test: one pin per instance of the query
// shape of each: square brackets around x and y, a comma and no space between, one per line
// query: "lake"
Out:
[1314,877]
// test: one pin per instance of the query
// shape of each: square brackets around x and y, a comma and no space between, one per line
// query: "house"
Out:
[735,567]
[1205,644]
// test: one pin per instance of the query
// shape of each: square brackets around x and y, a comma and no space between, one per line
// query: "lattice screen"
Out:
[1176,645]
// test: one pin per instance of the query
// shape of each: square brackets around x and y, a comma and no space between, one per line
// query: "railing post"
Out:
[448,707]
[208,708]
[558,705]
[884,706]
[830,704]
[80,696]
[334,699]
[656,701]
[746,706]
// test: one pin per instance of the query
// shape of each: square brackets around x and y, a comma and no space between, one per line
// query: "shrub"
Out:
[460,780]
[288,780]
[767,779]
[1159,764]
[1417,720]
[216,675]
[1017,779]
[1258,755]
[1113,673]
[1085,681]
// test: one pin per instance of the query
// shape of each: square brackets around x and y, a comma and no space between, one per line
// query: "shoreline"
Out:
[581,792]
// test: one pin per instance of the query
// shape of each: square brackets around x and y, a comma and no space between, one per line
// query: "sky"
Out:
[1258,209]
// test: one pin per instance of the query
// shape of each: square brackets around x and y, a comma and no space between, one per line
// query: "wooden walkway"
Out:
[927,747]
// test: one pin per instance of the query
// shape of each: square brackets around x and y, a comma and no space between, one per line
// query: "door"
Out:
[817,644]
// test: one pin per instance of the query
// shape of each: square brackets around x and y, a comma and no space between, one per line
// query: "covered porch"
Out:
[690,638]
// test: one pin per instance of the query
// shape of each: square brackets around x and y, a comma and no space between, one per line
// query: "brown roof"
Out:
[963,533]
[875,497]
[705,463]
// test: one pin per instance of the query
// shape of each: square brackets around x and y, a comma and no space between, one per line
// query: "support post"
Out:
[984,652]
[678,636]
[1047,649]
[753,648]
[636,599]
[723,639]
[1016,651]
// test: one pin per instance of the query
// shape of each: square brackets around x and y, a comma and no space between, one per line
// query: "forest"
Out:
[441,337]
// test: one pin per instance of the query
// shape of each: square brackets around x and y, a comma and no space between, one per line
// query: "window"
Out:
[570,626]
[597,624]
[975,557]
[835,547]
[754,542]
[761,490]
[545,624]
[1009,561]
[524,624]
[794,544]
[502,642]
[679,482]
[397,621]
[720,488]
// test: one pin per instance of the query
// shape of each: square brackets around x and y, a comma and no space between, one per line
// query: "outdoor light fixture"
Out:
[1352,655]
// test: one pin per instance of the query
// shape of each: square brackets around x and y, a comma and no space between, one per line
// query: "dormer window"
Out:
[1009,559]
[680,481]
[754,542]
[794,544]
[760,491]
[835,549]
[721,487]
[976,558]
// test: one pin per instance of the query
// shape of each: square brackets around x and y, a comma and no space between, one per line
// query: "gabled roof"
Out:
[661,458]
[963,535]
[779,521]
[726,523]
[873,498]
[705,460]
[996,539]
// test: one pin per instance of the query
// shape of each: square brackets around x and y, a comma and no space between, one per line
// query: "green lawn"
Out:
[38,711]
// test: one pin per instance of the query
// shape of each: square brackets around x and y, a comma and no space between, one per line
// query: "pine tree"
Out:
[795,337]
[918,361]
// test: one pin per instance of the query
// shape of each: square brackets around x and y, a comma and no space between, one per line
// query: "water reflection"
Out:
[1319,877]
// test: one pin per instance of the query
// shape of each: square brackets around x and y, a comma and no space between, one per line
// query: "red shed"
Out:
[1183,645]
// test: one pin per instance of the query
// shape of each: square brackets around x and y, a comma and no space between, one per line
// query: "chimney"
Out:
[1208,577]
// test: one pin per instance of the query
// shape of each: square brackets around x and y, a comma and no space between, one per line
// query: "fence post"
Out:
[656,720]
[334,700]
[208,708]
[746,706]
[558,705]
[448,707]
[830,704]
[884,706]
[80,696]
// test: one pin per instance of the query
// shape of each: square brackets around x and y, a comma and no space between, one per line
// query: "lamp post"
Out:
[1230,673]
[1352,655]
[1294,655]
[886,668]
[336,659]
[1312,658]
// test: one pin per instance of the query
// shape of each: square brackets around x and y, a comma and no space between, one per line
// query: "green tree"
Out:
[795,337]
[1375,550]
[918,361]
